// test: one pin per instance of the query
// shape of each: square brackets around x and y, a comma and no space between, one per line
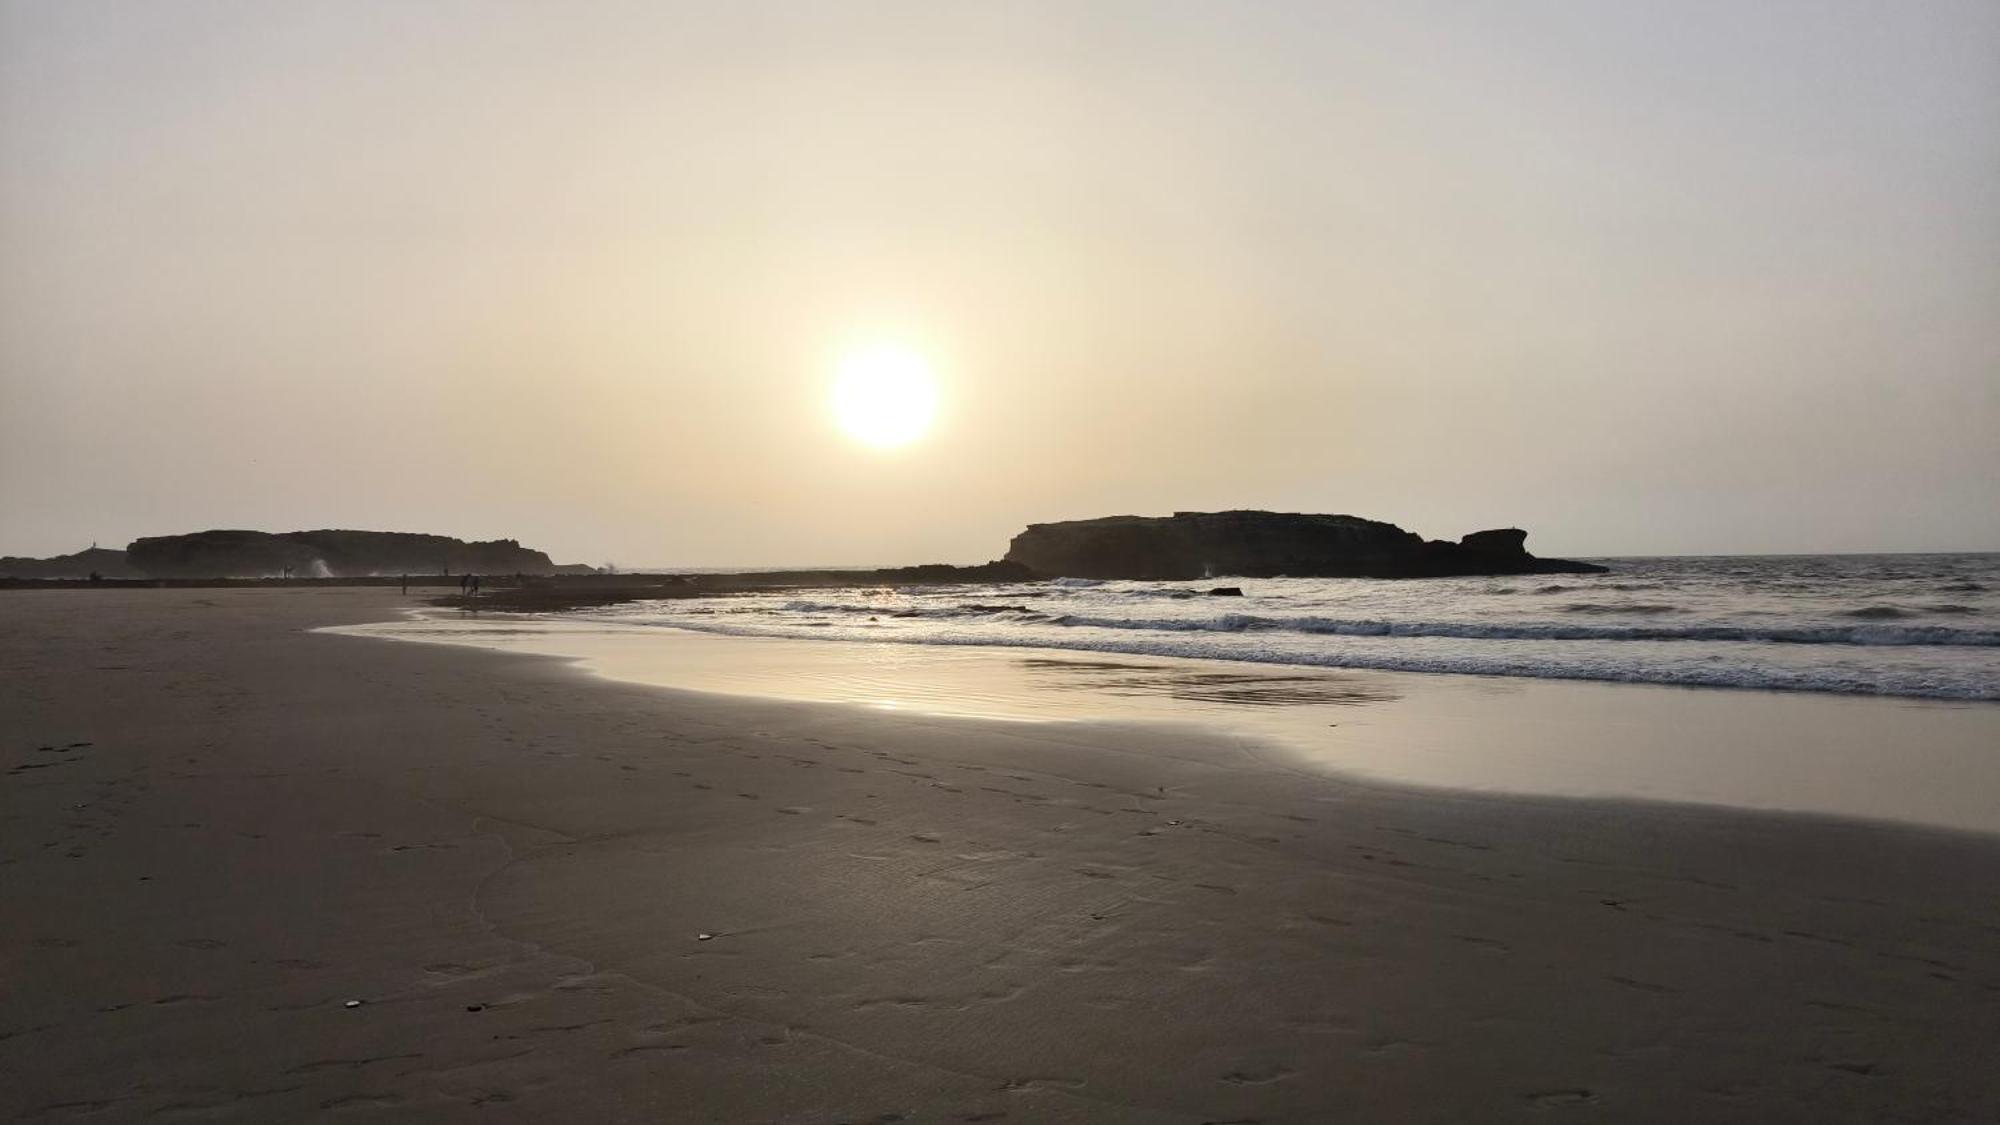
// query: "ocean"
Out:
[1916,626]
[1845,685]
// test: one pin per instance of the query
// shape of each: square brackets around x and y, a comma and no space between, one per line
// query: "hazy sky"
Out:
[1663,277]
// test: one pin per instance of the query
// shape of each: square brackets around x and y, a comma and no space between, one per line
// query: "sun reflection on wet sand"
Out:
[1916,761]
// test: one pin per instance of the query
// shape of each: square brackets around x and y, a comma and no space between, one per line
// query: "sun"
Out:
[884,397]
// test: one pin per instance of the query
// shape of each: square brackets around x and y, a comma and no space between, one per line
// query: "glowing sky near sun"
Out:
[1640,277]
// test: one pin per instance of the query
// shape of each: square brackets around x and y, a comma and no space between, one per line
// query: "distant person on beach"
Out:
[475,584]
[464,581]
[406,583]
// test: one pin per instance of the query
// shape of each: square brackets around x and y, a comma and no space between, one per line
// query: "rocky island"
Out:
[1183,546]
[224,554]
[105,562]
[1254,544]
[329,554]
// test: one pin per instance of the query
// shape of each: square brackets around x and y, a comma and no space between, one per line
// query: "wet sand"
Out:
[561,898]
[1916,761]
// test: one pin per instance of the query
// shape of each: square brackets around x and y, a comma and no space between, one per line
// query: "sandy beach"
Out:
[254,872]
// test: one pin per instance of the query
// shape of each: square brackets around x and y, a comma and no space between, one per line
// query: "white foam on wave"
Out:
[1555,631]
[1857,625]
[1866,635]
[1694,671]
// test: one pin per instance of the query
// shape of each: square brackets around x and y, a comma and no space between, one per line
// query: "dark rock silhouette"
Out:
[1268,545]
[95,562]
[997,571]
[327,554]
[1186,545]
[1506,541]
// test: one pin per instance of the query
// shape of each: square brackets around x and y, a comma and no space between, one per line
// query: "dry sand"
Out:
[563,899]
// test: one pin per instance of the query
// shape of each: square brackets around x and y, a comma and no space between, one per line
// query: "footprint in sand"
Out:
[648,1048]
[1260,1076]
[1559,1097]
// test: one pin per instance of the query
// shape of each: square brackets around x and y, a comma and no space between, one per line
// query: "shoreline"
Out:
[1812,753]
[512,863]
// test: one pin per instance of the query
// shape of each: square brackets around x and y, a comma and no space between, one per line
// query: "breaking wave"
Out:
[1872,625]
[1868,635]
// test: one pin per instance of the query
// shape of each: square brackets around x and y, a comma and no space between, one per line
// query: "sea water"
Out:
[1918,626]
[1882,674]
